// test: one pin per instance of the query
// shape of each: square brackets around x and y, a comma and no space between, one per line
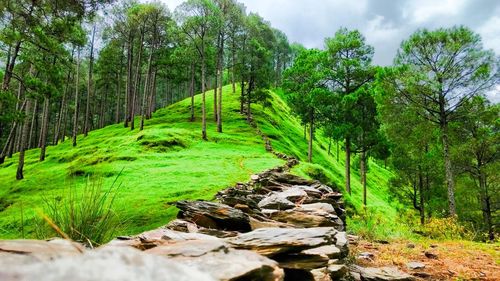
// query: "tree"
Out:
[478,153]
[349,65]
[305,84]
[196,19]
[438,72]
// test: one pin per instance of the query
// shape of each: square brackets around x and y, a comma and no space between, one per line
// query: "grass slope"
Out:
[166,162]
[381,218]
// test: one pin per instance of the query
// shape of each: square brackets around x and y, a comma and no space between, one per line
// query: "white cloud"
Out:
[490,33]
[421,11]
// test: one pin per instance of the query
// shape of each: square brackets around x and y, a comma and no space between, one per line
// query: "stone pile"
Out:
[276,227]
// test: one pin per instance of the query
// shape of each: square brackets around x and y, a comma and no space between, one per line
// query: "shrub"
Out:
[84,216]
[446,228]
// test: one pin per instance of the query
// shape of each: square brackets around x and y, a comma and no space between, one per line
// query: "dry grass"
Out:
[456,260]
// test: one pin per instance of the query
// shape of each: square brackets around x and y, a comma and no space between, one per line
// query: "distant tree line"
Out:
[426,114]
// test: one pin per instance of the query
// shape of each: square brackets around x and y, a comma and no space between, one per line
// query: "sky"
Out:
[384,23]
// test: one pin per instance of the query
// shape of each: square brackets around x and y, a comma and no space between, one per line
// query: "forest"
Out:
[87,82]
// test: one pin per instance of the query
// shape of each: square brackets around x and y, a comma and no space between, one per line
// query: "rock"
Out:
[316,207]
[337,271]
[311,191]
[410,246]
[423,275]
[16,252]
[309,258]
[220,261]
[381,274]
[213,215]
[188,248]
[304,219]
[366,256]
[431,255]
[162,233]
[290,179]
[182,226]
[117,264]
[256,224]
[383,242]
[415,265]
[277,202]
[329,251]
[254,177]
[271,241]
[293,194]
[321,274]
[342,242]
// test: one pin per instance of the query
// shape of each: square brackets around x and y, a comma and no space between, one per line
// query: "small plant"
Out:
[84,216]
[446,228]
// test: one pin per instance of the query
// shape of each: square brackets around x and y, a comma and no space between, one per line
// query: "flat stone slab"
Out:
[271,241]
[220,261]
[110,264]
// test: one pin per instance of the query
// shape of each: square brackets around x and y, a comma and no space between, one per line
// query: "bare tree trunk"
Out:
[348,165]
[89,85]
[137,81]
[129,82]
[448,169]
[118,88]
[421,196]
[191,92]
[203,98]
[32,127]
[61,112]
[221,75]
[363,174]
[75,115]
[152,95]
[102,117]
[44,129]
[24,139]
[242,97]
[146,88]
[216,88]
[233,65]
[311,138]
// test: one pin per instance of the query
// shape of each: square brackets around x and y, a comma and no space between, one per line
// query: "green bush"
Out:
[84,216]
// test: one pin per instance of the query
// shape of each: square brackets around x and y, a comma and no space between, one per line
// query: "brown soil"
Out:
[449,260]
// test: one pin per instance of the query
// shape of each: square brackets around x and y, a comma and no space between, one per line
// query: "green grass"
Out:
[166,162]
[382,218]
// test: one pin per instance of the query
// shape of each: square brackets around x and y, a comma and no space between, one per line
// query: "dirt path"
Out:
[448,260]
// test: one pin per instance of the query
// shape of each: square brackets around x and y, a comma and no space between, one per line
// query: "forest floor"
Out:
[443,260]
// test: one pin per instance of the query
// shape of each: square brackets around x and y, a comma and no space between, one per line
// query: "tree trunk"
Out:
[129,84]
[363,174]
[191,92]
[102,113]
[24,139]
[75,114]
[44,129]
[233,64]
[221,74]
[311,138]
[89,85]
[242,97]
[146,88]
[421,196]
[348,165]
[448,169]
[203,101]
[32,127]
[61,112]
[118,88]
[485,204]
[9,68]
[137,81]
[216,88]
[329,145]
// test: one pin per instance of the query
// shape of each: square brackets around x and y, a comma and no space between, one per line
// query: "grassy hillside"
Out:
[381,218]
[168,162]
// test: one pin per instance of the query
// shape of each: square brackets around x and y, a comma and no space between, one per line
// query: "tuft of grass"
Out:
[85,216]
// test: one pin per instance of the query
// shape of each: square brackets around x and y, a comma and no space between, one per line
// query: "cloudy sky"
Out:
[385,23]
